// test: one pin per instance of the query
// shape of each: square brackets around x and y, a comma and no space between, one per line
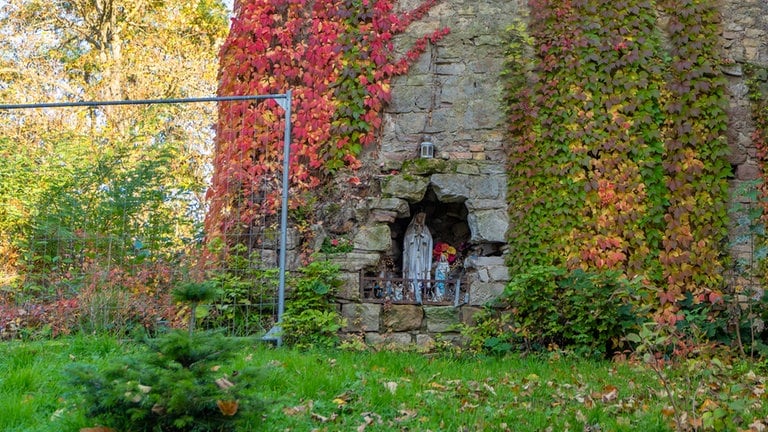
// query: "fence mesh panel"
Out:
[101,232]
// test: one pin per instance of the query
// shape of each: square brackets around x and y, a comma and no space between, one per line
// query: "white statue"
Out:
[441,275]
[417,255]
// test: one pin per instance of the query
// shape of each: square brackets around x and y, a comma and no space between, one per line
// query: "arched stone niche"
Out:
[465,207]
[479,187]
[465,203]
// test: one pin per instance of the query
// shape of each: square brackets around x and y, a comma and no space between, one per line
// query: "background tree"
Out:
[113,182]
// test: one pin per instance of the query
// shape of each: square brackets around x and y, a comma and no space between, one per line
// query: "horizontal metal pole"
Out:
[140,102]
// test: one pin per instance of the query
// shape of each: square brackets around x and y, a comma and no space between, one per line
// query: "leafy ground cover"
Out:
[393,391]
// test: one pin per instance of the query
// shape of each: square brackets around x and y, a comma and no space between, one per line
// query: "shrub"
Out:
[587,312]
[310,318]
[176,384]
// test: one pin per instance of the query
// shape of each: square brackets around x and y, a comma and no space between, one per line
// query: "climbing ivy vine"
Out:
[338,59]
[617,156]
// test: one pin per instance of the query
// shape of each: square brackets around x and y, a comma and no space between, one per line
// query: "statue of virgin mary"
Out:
[417,255]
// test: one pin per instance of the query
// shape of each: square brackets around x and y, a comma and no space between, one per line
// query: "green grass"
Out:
[394,391]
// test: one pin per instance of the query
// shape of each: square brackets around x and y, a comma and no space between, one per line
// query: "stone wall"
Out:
[745,41]
[478,187]
[454,92]
[453,95]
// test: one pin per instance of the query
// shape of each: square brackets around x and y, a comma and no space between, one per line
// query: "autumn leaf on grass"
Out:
[323,419]
[668,411]
[757,426]
[368,419]
[228,407]
[343,398]
[298,409]
[406,415]
[610,394]
[391,386]
[438,386]
[224,383]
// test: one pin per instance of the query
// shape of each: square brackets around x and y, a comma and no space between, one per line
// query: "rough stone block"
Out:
[467,315]
[481,293]
[488,225]
[452,188]
[411,189]
[350,286]
[373,238]
[748,171]
[441,318]
[468,168]
[395,339]
[482,274]
[355,261]
[361,316]
[459,155]
[396,205]
[485,204]
[399,318]
[383,216]
[499,273]
[425,341]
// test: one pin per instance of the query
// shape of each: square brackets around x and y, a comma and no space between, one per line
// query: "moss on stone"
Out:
[424,167]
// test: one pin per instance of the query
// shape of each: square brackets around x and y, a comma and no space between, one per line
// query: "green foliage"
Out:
[342,390]
[492,332]
[247,297]
[336,245]
[195,292]
[175,384]
[586,312]
[311,319]
[117,184]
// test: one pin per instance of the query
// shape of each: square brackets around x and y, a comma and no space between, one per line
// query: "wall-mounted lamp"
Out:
[427,148]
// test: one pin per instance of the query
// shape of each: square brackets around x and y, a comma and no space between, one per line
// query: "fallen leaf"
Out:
[406,415]
[323,419]
[757,426]
[298,409]
[437,386]
[366,421]
[610,394]
[391,386]
[228,408]
[708,405]
[224,383]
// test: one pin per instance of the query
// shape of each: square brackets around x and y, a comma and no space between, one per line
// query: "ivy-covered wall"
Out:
[633,133]
[623,126]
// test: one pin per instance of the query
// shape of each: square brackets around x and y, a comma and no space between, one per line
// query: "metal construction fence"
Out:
[100,246]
